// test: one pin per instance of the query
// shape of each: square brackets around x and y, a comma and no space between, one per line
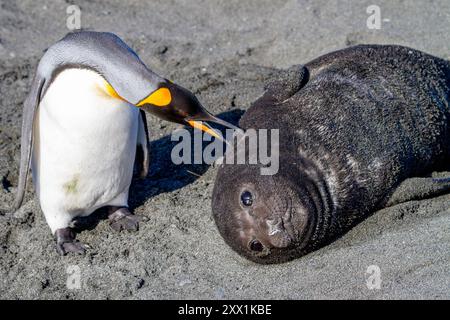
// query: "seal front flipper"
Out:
[29,111]
[287,83]
[143,147]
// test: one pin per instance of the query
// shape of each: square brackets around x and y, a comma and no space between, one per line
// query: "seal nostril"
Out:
[255,245]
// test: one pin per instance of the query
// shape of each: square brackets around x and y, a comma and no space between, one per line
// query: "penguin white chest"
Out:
[84,147]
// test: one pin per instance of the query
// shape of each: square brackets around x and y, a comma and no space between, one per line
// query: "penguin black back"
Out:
[353,124]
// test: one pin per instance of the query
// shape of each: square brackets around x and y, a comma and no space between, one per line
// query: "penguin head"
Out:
[174,103]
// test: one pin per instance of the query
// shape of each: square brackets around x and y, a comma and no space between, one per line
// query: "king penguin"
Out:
[84,127]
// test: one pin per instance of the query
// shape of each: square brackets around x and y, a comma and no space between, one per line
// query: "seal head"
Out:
[260,224]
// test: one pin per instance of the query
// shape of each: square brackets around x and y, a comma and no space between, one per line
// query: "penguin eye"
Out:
[255,245]
[246,198]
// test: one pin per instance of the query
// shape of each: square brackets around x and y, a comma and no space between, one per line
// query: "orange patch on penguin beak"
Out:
[159,98]
[199,125]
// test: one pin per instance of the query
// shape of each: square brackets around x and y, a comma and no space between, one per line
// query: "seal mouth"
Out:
[280,229]
[287,221]
[274,232]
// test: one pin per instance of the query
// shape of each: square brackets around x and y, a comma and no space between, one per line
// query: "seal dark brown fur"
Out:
[353,125]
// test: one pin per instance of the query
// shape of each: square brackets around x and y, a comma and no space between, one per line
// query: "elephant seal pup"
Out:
[353,124]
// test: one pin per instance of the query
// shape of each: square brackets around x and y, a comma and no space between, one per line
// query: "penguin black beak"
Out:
[183,107]
[199,122]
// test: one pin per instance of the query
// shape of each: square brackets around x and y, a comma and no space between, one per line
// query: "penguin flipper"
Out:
[143,147]
[26,143]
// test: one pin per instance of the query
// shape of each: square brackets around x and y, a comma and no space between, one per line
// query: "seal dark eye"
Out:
[255,245]
[246,198]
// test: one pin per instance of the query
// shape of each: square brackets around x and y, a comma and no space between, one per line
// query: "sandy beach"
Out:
[225,52]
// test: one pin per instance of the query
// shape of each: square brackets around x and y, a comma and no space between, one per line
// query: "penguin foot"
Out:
[122,219]
[66,242]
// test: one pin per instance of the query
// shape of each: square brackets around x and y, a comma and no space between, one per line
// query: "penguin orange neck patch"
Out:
[160,98]
[111,92]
